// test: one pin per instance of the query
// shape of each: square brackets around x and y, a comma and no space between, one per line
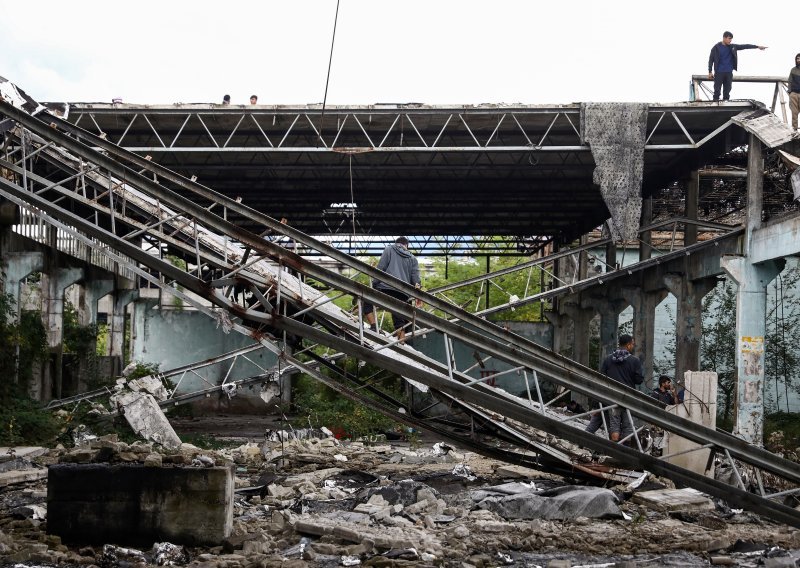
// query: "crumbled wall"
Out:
[616,133]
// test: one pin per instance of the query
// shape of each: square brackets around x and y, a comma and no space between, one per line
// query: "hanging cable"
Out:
[352,198]
[328,77]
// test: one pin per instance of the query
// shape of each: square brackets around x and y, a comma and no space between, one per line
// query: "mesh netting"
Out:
[616,134]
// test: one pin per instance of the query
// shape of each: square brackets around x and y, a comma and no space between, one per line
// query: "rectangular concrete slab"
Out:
[134,504]
[674,500]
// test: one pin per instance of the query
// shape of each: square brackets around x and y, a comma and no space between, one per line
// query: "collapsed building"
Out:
[100,194]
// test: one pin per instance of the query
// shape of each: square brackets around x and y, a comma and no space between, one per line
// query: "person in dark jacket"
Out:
[624,368]
[724,61]
[794,90]
[396,261]
[665,392]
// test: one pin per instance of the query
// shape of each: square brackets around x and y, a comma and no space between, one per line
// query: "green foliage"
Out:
[78,339]
[318,405]
[142,369]
[788,425]
[23,421]
[500,290]
[718,345]
[22,345]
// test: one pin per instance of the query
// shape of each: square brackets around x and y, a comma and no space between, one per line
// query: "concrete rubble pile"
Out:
[298,503]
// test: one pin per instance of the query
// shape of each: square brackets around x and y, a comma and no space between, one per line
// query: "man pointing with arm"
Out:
[724,60]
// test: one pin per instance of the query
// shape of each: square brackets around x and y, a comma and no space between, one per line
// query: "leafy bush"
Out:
[318,405]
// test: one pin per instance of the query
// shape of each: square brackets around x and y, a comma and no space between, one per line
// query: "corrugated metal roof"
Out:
[766,126]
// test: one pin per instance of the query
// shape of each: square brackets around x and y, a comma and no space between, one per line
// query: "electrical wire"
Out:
[328,77]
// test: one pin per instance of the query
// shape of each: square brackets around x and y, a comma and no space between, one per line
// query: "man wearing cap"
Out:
[396,261]
[724,60]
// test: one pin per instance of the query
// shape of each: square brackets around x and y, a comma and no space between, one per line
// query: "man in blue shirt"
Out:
[724,60]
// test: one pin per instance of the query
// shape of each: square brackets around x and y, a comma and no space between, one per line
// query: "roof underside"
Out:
[410,169]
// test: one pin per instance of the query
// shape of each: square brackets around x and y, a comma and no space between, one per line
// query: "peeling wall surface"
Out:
[174,337]
[616,133]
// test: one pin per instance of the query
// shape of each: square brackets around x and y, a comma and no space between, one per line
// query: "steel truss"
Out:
[415,129]
[287,315]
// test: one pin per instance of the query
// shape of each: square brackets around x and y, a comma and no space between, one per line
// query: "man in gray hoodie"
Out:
[396,261]
[624,368]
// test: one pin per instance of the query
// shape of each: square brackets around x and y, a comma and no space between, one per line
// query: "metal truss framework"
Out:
[407,169]
[375,129]
[280,311]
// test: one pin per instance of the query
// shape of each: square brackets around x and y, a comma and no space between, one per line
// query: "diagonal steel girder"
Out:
[501,344]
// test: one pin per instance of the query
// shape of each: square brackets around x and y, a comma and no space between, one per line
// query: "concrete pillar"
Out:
[644,317]
[645,248]
[116,328]
[700,406]
[751,307]
[90,294]
[692,203]
[611,256]
[16,266]
[609,311]
[688,319]
[54,282]
[580,317]
[560,327]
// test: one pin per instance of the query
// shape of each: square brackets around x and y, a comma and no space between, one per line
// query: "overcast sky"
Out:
[432,51]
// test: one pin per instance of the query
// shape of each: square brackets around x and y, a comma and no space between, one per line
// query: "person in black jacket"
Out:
[665,392]
[724,60]
[624,368]
[794,90]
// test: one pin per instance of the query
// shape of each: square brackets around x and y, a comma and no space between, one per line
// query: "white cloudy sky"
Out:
[433,51]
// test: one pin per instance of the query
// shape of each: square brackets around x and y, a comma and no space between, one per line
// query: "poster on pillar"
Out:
[752,349]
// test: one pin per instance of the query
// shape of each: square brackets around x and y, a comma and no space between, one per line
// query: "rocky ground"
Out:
[321,502]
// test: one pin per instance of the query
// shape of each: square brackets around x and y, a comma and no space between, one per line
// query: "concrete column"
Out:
[751,307]
[688,319]
[122,298]
[644,317]
[692,203]
[609,311]
[645,248]
[560,328]
[90,294]
[580,337]
[54,282]
[16,266]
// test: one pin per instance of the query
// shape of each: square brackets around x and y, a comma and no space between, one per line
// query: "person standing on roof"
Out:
[724,60]
[396,261]
[625,368]
[794,90]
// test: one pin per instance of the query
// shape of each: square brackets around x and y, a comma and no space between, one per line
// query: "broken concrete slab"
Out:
[147,419]
[672,500]
[563,503]
[21,476]
[131,503]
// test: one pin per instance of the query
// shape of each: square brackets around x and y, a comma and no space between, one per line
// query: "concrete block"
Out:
[674,500]
[133,504]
